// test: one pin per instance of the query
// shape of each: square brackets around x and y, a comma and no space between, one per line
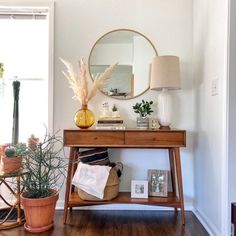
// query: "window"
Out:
[24,50]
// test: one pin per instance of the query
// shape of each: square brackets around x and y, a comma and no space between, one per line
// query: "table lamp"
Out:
[165,76]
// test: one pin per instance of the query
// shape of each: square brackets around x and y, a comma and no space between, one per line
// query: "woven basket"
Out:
[111,190]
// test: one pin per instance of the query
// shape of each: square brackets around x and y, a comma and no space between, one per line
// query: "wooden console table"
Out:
[171,140]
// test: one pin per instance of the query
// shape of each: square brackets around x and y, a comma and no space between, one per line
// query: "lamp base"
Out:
[164,111]
[164,127]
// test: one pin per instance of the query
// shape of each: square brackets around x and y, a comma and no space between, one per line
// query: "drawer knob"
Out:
[95,138]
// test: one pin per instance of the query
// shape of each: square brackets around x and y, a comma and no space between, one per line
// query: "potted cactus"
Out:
[115,111]
[12,158]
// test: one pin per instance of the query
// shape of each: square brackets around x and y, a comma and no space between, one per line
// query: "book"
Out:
[110,121]
[110,118]
[118,125]
[110,127]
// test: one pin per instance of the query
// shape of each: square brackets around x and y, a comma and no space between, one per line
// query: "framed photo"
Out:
[139,189]
[158,183]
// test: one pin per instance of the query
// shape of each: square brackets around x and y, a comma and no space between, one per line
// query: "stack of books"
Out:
[113,123]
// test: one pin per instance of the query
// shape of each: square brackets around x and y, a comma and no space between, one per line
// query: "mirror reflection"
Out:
[133,52]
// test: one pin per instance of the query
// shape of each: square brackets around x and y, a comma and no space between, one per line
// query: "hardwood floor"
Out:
[120,223]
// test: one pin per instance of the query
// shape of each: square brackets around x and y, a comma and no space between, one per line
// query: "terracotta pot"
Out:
[11,164]
[3,147]
[39,212]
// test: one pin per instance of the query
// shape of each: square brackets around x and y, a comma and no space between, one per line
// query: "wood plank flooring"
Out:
[119,223]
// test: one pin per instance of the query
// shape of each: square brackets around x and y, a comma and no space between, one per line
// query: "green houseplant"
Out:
[12,157]
[143,109]
[45,166]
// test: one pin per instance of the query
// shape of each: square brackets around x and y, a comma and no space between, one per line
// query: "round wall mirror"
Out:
[133,52]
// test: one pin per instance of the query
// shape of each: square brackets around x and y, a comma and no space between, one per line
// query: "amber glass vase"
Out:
[84,118]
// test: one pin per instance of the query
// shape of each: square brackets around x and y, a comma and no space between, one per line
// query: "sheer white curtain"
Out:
[24,52]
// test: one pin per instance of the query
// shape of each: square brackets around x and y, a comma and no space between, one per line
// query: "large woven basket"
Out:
[111,190]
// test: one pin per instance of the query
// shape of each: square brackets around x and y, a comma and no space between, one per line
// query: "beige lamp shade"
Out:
[165,73]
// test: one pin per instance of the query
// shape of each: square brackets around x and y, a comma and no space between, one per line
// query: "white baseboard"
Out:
[130,207]
[206,222]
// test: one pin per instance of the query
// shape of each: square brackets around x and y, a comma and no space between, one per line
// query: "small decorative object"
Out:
[12,158]
[105,110]
[115,112]
[84,118]
[157,182]
[139,189]
[33,142]
[143,109]
[154,123]
[46,172]
[165,76]
[1,70]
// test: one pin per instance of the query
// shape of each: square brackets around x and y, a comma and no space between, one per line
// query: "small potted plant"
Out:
[12,158]
[143,109]
[115,112]
[45,164]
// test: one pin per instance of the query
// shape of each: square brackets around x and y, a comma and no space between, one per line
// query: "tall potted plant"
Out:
[45,167]
[15,128]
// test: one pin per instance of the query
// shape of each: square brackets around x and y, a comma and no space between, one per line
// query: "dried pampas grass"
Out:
[101,80]
[79,83]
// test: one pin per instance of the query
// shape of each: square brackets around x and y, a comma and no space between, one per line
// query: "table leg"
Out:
[172,172]
[68,181]
[179,181]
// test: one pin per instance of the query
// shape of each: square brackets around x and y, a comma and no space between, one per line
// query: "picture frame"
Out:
[139,189]
[158,183]
[154,124]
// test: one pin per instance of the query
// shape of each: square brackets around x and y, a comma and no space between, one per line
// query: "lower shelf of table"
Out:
[125,198]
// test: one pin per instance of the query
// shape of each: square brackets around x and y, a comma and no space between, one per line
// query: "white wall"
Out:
[78,24]
[210,61]
[232,111]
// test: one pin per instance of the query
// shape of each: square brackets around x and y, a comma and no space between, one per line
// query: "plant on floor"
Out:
[45,164]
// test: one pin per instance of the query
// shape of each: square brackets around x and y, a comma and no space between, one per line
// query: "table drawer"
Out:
[155,139]
[93,138]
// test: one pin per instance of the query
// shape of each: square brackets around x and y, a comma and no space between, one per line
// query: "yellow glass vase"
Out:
[84,118]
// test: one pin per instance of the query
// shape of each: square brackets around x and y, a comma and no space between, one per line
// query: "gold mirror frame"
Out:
[123,29]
